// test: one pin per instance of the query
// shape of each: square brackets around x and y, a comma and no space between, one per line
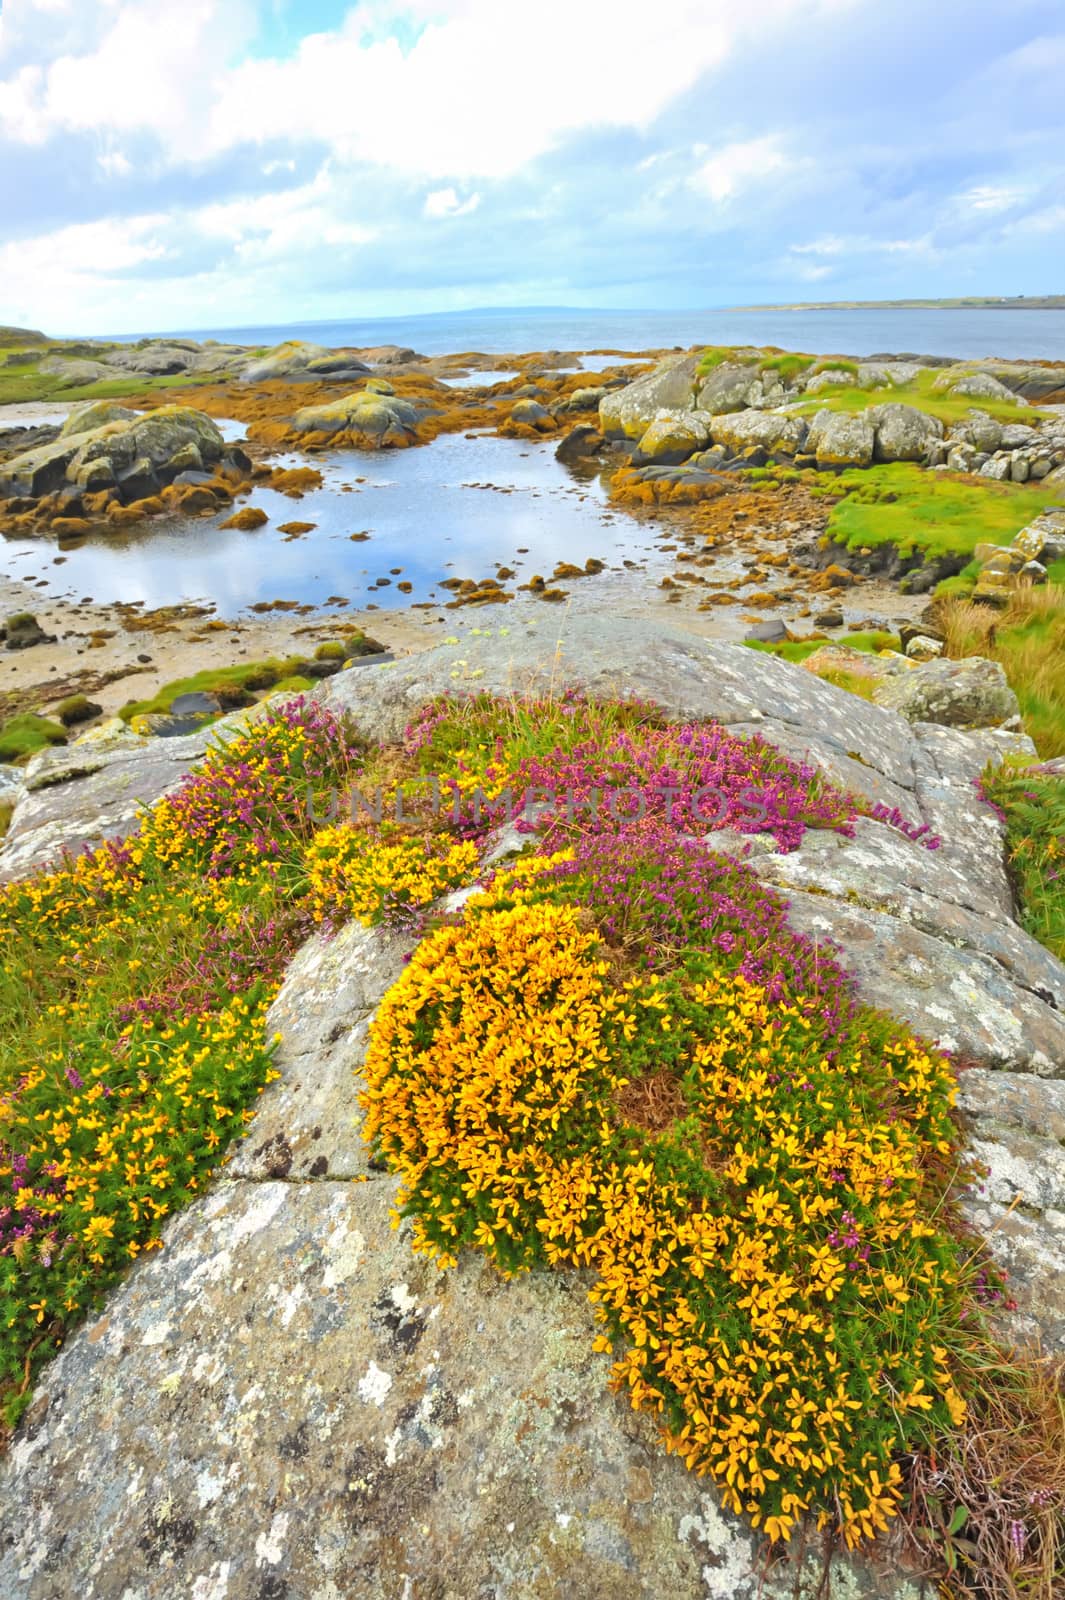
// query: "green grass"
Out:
[797,650]
[716,357]
[1027,639]
[229,683]
[786,366]
[949,408]
[239,684]
[829,364]
[1034,808]
[27,385]
[293,685]
[21,736]
[938,513]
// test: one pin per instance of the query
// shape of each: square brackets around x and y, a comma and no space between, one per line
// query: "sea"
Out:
[965,333]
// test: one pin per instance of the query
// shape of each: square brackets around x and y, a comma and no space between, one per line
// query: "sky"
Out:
[213,163]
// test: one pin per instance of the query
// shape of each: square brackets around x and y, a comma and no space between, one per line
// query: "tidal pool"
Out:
[460,507]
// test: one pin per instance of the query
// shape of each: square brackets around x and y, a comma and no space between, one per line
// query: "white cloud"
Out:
[114,164]
[736,167]
[74,272]
[829,246]
[22,114]
[481,91]
[991,197]
[446,203]
[292,223]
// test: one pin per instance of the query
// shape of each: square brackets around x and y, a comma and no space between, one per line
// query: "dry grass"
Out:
[1027,638]
[989,1505]
[653,1103]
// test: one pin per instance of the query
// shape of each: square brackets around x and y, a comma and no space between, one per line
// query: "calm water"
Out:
[966,334]
[456,508]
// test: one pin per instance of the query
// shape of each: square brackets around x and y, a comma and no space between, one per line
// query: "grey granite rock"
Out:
[79,795]
[1018,1132]
[287,1402]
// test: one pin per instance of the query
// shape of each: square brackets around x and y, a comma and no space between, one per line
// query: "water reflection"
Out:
[459,507]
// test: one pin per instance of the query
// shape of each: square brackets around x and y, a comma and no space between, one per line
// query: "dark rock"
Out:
[139,481]
[580,443]
[916,630]
[22,631]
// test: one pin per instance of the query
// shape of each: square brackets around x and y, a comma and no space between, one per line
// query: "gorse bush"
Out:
[750,1174]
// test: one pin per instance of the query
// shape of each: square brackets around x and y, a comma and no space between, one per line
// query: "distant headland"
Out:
[971,302]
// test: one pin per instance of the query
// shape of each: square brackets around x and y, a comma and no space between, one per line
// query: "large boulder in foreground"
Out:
[972,693]
[287,1402]
[903,433]
[141,451]
[841,439]
[672,437]
[627,413]
[95,414]
[772,431]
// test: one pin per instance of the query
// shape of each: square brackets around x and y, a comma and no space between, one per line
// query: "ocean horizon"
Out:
[965,333]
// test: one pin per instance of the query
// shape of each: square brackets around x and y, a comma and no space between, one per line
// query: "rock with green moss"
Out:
[22,631]
[978,385]
[841,439]
[832,378]
[376,421]
[972,693]
[903,433]
[143,448]
[672,437]
[77,708]
[21,736]
[295,359]
[95,414]
[532,414]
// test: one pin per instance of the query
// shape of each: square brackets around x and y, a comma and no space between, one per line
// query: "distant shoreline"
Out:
[1017,302]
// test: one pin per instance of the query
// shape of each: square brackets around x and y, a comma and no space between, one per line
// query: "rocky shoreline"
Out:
[732,455]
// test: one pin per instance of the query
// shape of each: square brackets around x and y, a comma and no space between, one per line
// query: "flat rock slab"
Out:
[77,796]
[288,1403]
[617,656]
[308,1123]
[1017,1127]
